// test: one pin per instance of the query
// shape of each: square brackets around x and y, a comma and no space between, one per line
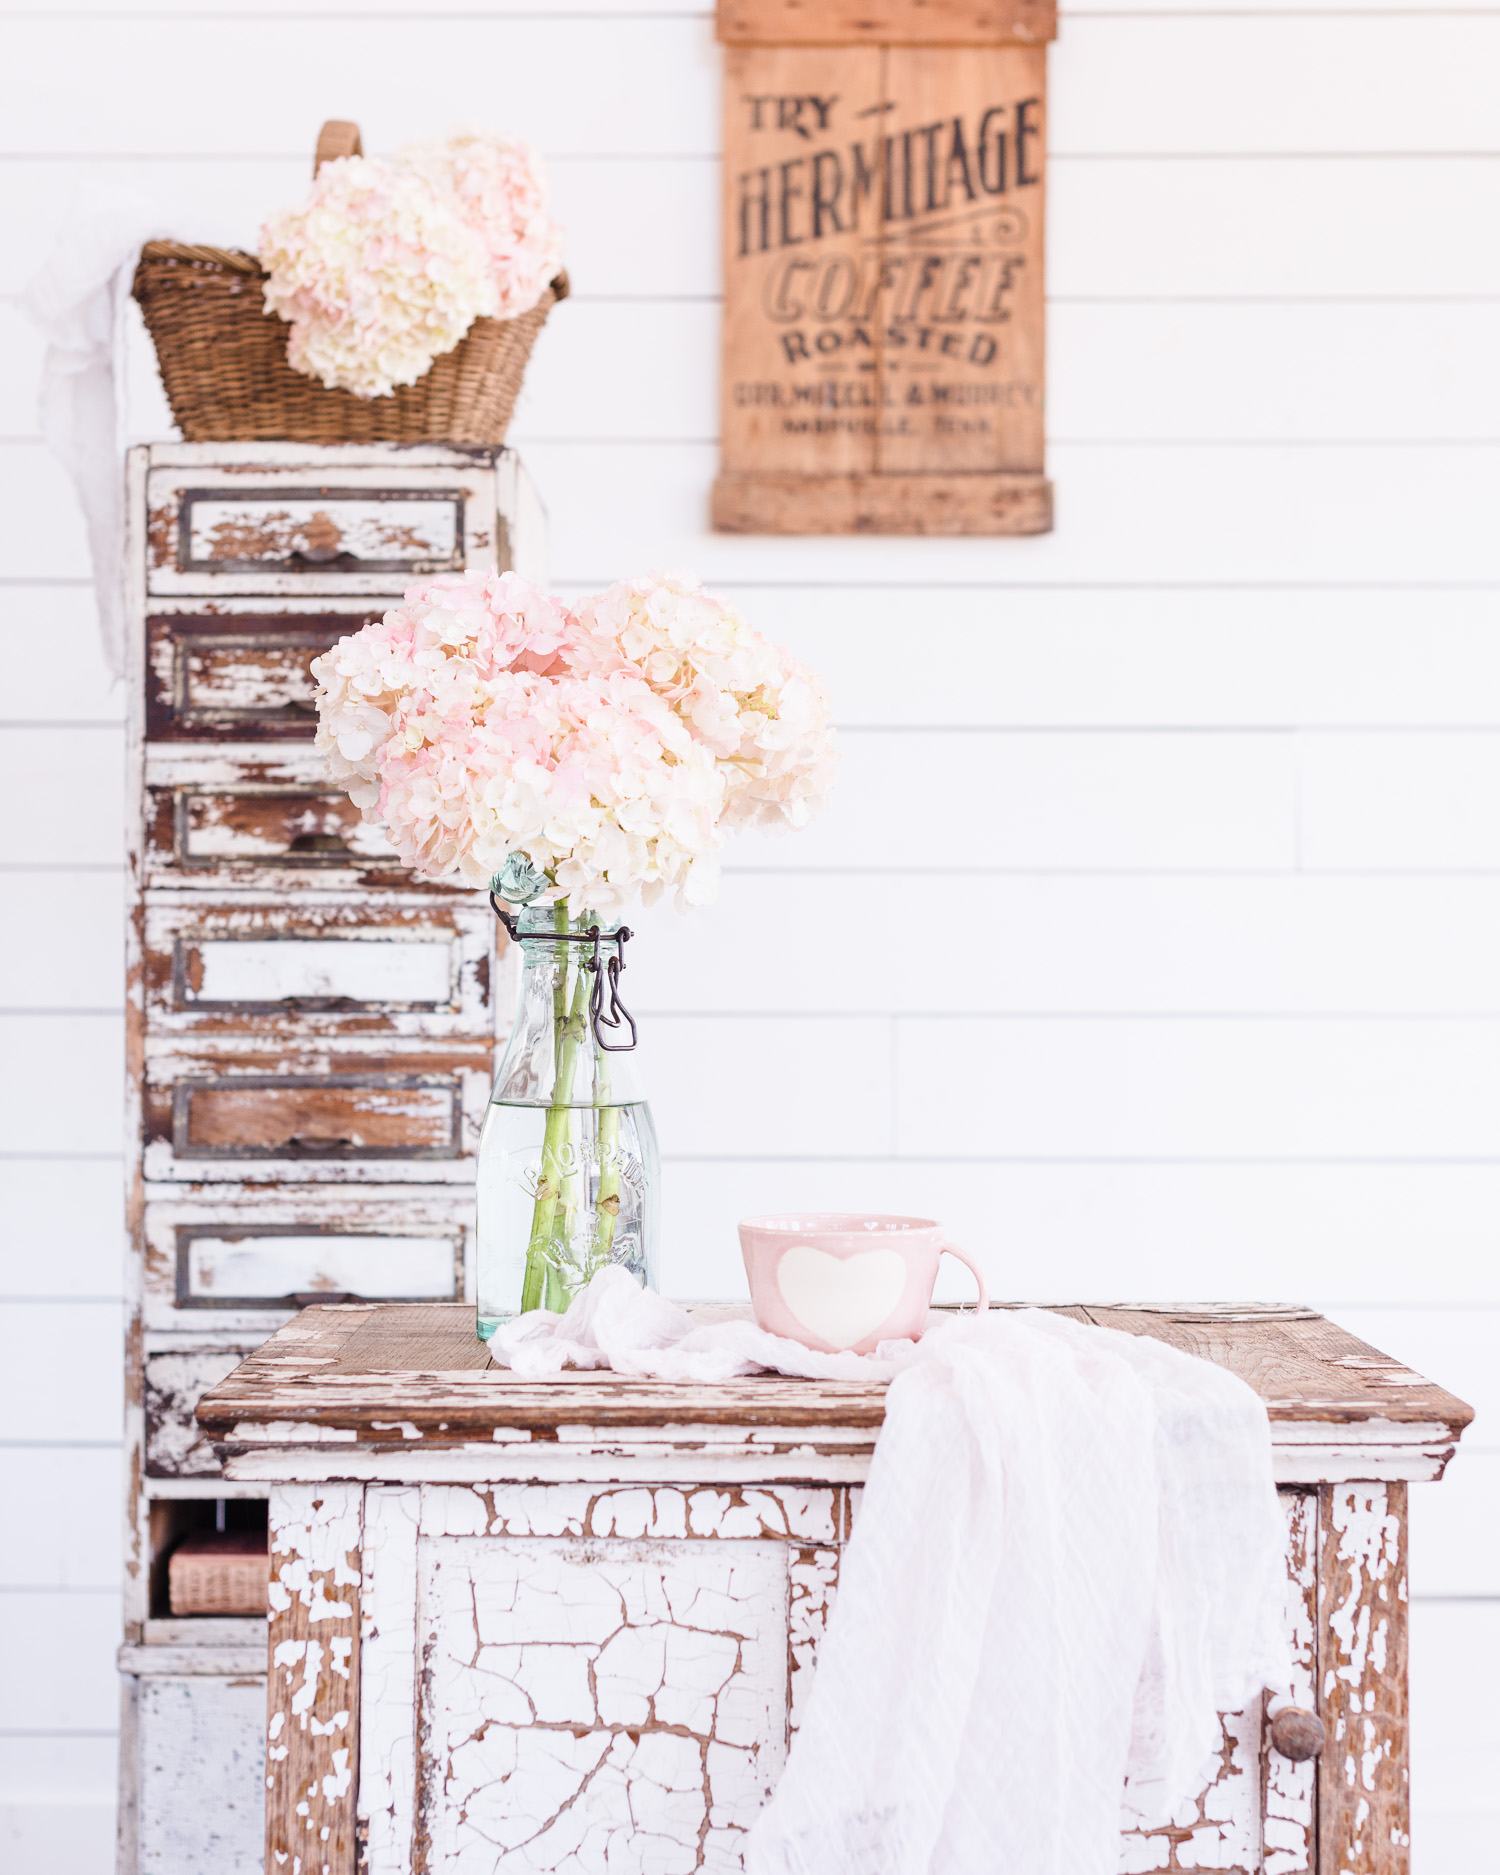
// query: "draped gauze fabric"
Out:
[80,299]
[1067,1562]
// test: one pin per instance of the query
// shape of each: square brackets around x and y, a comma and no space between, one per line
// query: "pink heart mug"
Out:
[846,1280]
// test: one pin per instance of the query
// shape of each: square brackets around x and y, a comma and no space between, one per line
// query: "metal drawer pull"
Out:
[1297,1733]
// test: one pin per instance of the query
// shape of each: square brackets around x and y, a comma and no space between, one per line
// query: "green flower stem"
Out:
[556,1293]
[543,1286]
[608,1204]
[568,1165]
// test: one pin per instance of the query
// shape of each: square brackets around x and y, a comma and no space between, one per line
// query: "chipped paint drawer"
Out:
[236,1264]
[242,818]
[252,832]
[321,966]
[241,677]
[233,1259]
[345,1112]
[327,527]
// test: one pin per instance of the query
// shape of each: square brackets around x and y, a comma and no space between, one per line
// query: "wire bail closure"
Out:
[606,969]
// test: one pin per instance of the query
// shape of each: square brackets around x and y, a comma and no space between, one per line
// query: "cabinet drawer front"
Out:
[270,816]
[289,1265]
[285,531]
[711,1615]
[338,1117]
[239,1259]
[320,530]
[222,1108]
[255,829]
[309,969]
[314,973]
[243,678]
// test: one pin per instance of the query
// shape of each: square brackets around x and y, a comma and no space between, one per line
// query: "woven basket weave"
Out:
[223,361]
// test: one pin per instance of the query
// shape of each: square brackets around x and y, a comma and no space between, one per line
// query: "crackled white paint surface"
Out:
[1220,1829]
[388,1606]
[598,1705]
[1363,1673]
[1368,1535]
[813,1583]
[1289,1823]
[660,1632]
[313,1536]
[316,1556]
[605,1678]
[796,1514]
[1256,1817]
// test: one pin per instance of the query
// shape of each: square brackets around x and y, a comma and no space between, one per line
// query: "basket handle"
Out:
[337,138]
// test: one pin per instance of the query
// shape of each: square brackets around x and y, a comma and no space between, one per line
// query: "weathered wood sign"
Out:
[884,190]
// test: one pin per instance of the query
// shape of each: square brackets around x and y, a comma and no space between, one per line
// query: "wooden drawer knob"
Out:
[1297,1733]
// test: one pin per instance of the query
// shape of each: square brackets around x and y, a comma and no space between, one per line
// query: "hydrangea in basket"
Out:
[399,303]
[388,264]
[570,761]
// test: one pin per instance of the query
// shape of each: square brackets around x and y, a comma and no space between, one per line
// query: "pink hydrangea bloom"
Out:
[499,188]
[613,747]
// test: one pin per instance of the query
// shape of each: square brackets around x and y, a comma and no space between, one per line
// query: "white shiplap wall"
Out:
[1165,869]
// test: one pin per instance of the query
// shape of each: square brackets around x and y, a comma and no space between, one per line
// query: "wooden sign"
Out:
[884,190]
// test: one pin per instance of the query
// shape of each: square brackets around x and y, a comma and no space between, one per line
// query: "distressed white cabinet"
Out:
[567,1627]
[312,1030]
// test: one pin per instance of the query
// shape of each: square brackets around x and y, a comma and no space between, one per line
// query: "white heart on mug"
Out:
[840,1299]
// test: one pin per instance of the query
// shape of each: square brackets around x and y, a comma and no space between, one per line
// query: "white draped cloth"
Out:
[79,298]
[1068,1561]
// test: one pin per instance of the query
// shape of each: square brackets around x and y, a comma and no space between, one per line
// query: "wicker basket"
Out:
[223,359]
[219,1574]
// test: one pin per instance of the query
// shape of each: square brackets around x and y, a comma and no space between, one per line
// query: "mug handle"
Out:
[952,1250]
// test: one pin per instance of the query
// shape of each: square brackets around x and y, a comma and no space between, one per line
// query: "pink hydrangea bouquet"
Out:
[388,264]
[570,760]
[612,746]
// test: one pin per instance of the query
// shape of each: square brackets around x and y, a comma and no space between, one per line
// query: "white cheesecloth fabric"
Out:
[79,299]
[1067,1562]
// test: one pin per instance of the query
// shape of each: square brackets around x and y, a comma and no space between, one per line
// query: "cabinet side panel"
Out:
[136,1558]
[388,1679]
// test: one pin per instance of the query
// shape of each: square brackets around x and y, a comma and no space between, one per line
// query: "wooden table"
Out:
[570,1624]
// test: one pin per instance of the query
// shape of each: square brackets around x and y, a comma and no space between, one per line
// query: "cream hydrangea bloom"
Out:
[763,715]
[498,185]
[378,274]
[387,265]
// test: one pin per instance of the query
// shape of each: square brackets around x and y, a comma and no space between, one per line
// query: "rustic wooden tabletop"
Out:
[362,1368]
